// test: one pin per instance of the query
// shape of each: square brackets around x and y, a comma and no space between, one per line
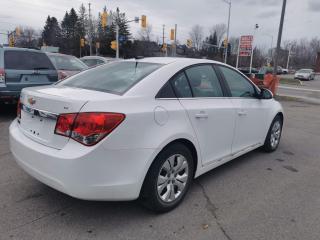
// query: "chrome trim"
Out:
[40,113]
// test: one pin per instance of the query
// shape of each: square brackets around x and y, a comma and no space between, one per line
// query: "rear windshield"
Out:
[68,63]
[305,71]
[117,77]
[27,60]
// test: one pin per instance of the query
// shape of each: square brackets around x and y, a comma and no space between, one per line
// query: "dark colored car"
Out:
[22,67]
[66,65]
[93,61]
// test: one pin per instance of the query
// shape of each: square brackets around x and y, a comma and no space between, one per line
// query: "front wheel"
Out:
[274,135]
[168,178]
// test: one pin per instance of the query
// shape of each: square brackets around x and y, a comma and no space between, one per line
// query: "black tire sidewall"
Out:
[150,197]
[267,144]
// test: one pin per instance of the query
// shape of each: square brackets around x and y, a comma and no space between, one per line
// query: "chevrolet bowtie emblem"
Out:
[31,101]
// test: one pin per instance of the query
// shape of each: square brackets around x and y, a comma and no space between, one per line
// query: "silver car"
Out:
[305,74]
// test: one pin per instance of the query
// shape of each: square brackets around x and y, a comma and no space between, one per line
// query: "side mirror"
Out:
[265,94]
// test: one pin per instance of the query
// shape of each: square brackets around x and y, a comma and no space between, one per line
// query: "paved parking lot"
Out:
[257,196]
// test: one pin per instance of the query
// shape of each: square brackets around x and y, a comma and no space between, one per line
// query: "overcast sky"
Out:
[302,16]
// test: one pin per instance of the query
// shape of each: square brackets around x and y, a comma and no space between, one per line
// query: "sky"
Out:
[301,20]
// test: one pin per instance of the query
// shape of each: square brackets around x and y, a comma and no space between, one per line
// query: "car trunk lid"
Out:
[41,106]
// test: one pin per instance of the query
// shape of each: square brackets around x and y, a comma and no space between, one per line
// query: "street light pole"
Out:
[228,32]
[117,34]
[252,47]
[275,68]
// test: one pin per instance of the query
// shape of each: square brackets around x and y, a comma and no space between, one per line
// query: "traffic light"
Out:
[104,19]
[225,42]
[189,43]
[82,42]
[18,32]
[114,45]
[11,41]
[144,21]
[172,34]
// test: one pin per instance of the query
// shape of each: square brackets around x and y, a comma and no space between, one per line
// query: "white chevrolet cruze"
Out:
[141,128]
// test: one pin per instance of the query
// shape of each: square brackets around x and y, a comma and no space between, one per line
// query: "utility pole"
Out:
[289,55]
[163,34]
[228,32]
[275,67]
[238,53]
[90,30]
[175,39]
[117,33]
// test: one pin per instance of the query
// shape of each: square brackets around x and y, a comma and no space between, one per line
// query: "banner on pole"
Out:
[245,48]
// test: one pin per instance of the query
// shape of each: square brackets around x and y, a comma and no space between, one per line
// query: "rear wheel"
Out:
[274,135]
[168,179]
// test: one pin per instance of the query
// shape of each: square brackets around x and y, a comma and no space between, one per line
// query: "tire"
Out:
[163,177]
[274,135]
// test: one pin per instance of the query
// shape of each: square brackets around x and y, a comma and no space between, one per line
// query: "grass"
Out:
[290,81]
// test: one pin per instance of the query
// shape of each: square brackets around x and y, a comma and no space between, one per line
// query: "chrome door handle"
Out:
[202,115]
[242,113]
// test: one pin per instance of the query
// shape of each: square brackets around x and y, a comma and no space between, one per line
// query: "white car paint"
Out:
[115,168]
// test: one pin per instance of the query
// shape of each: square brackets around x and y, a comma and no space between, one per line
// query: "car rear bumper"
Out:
[6,95]
[80,172]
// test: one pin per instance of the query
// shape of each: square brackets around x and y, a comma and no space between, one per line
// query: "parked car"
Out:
[22,67]
[305,74]
[266,69]
[66,65]
[285,71]
[93,61]
[141,128]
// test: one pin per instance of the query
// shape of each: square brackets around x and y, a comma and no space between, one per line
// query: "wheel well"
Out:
[191,147]
[280,114]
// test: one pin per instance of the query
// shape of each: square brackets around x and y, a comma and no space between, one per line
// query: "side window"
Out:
[181,86]
[239,86]
[204,81]
[166,91]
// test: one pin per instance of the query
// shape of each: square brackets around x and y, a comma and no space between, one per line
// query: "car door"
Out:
[211,114]
[251,112]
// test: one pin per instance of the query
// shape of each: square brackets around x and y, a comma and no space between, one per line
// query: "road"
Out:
[309,90]
[257,196]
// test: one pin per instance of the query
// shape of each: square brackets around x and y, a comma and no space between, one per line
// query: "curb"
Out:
[282,97]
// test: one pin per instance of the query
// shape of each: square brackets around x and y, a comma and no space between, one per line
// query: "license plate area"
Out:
[34,78]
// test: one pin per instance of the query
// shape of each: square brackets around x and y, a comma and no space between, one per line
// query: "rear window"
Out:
[27,60]
[117,77]
[68,63]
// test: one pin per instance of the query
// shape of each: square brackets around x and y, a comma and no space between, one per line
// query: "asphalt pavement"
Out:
[308,91]
[257,196]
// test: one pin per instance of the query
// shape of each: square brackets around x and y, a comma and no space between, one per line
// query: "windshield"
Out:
[305,71]
[69,63]
[117,77]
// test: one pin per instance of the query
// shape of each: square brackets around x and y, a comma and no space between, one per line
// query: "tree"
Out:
[28,38]
[196,35]
[51,33]
[82,23]
[145,34]
[70,36]
[220,30]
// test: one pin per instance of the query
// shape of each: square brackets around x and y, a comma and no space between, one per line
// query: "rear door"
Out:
[251,112]
[28,68]
[211,114]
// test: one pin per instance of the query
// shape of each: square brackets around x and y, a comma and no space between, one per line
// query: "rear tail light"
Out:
[19,109]
[87,128]
[2,75]
[62,75]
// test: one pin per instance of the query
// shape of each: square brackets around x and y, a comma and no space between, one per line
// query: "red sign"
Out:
[245,47]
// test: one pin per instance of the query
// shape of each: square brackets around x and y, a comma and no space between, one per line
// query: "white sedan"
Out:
[305,74]
[141,128]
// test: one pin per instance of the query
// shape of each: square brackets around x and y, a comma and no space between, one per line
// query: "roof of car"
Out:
[21,49]
[97,57]
[168,60]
